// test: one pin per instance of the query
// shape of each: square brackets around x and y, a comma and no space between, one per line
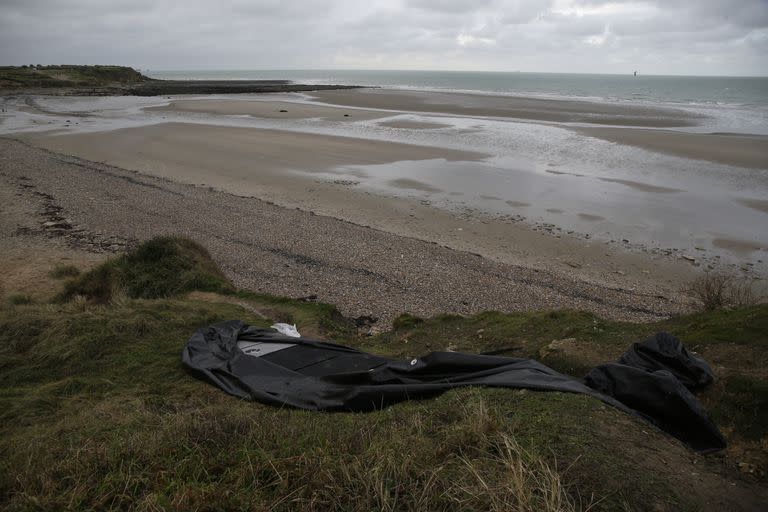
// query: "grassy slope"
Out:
[96,412]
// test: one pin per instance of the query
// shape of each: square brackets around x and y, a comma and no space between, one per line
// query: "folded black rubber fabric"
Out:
[665,352]
[266,366]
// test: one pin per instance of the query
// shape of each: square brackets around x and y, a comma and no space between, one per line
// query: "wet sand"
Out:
[409,184]
[414,125]
[370,104]
[398,187]
[233,158]
[729,149]
[591,218]
[760,205]
[259,163]
[295,252]
[508,106]
[739,246]
[645,187]
[741,150]
[268,109]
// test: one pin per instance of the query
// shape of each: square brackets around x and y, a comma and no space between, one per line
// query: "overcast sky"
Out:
[709,37]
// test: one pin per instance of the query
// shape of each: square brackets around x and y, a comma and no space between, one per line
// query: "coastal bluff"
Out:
[97,80]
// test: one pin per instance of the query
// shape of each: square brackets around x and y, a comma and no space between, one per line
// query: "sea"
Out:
[738,104]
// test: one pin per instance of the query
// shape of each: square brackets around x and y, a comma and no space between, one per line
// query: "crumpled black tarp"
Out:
[649,380]
[665,352]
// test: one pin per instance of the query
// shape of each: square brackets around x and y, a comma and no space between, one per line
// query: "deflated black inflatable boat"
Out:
[652,380]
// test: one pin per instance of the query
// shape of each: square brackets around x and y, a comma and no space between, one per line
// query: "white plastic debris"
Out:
[287,329]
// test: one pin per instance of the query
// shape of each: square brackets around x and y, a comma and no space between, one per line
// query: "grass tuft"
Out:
[718,290]
[159,268]
[513,478]
[63,271]
[745,407]
[20,299]
[406,321]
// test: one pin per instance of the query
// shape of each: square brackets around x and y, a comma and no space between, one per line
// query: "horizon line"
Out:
[452,71]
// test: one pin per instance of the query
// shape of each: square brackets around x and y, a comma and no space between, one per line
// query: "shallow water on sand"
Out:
[732,104]
[546,174]
[700,217]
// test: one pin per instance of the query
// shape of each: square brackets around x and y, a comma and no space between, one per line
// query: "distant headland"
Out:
[122,80]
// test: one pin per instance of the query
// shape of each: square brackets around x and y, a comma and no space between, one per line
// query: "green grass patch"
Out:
[742,326]
[744,406]
[312,318]
[161,267]
[97,412]
[521,334]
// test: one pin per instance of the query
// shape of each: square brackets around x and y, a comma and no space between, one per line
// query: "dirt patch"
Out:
[33,240]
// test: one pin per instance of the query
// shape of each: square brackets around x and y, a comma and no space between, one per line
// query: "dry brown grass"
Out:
[720,290]
[521,481]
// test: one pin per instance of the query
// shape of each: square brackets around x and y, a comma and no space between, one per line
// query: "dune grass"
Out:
[63,271]
[161,267]
[97,412]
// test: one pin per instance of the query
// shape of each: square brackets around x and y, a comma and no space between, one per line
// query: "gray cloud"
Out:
[656,36]
[448,5]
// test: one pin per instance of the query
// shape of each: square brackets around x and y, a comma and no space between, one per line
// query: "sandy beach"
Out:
[488,105]
[269,109]
[473,176]
[192,151]
[186,153]
[729,149]
[269,248]
[725,148]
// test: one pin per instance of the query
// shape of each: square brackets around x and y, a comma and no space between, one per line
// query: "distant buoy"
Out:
[635,73]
